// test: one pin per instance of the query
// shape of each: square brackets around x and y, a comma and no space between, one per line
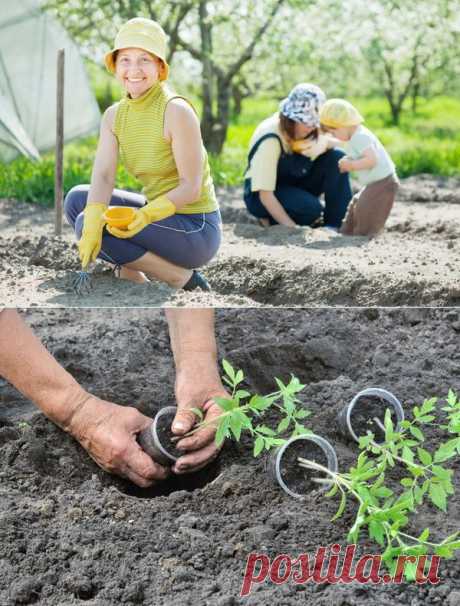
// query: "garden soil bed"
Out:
[71,534]
[415,262]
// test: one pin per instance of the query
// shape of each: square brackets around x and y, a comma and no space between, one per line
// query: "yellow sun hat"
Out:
[336,113]
[140,33]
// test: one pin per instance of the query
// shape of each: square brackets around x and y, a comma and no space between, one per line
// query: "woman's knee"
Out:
[75,202]
[78,225]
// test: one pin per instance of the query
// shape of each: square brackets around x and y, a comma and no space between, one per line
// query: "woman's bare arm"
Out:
[182,129]
[107,431]
[193,343]
[273,206]
[105,162]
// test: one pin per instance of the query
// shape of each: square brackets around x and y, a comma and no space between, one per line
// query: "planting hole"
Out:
[188,482]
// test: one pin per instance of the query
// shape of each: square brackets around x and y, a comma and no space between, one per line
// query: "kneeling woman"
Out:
[291,164]
[176,226]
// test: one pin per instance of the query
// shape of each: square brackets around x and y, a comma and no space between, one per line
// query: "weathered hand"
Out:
[107,432]
[197,382]
[345,165]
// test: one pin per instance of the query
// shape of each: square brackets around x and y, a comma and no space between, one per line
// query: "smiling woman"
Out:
[176,225]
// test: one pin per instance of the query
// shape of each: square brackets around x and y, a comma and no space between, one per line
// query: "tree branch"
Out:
[249,50]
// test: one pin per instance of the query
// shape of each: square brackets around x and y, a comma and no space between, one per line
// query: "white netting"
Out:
[29,41]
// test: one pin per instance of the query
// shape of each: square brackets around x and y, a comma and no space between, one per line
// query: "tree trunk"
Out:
[415,96]
[207,118]
[224,91]
[395,108]
[237,98]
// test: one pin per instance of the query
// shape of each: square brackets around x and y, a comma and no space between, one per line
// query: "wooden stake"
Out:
[58,173]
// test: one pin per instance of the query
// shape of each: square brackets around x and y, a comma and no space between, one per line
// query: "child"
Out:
[369,209]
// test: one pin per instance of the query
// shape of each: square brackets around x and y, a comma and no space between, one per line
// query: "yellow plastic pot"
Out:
[119,216]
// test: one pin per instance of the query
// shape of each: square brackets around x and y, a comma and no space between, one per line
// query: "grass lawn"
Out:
[425,142]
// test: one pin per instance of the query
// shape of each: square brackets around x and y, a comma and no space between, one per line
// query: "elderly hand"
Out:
[107,432]
[197,383]
[345,164]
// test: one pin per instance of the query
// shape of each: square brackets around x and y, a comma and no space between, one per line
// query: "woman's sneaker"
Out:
[197,281]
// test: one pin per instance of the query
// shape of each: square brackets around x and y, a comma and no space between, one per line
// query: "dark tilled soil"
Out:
[71,534]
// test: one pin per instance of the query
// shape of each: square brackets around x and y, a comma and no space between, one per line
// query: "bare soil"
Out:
[71,534]
[414,262]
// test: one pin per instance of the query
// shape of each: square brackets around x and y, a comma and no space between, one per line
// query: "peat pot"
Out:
[367,412]
[156,439]
[295,480]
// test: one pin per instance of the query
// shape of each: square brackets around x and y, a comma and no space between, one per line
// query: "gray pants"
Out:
[370,207]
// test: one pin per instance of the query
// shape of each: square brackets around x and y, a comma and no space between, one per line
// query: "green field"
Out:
[425,142]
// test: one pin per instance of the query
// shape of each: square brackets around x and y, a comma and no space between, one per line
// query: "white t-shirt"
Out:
[361,140]
[264,165]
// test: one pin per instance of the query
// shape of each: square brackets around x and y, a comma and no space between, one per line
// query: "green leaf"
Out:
[281,385]
[362,460]
[228,368]
[283,425]
[225,404]
[444,551]
[377,531]
[451,398]
[383,492]
[418,495]
[294,385]
[415,431]
[243,419]
[407,454]
[265,430]
[239,377]
[446,451]
[438,496]
[424,535]
[441,473]
[241,393]
[288,405]
[424,456]
[410,570]
[364,441]
[235,427]
[388,423]
[221,432]
[302,414]
[258,445]
[407,482]
[428,405]
[260,403]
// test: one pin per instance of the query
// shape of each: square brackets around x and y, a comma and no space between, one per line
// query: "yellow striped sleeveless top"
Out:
[148,156]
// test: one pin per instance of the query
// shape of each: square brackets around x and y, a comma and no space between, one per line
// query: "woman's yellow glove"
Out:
[91,237]
[312,148]
[158,209]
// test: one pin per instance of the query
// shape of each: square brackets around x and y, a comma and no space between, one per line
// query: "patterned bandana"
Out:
[303,104]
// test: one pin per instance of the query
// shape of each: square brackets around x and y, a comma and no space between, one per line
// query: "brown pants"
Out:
[369,208]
